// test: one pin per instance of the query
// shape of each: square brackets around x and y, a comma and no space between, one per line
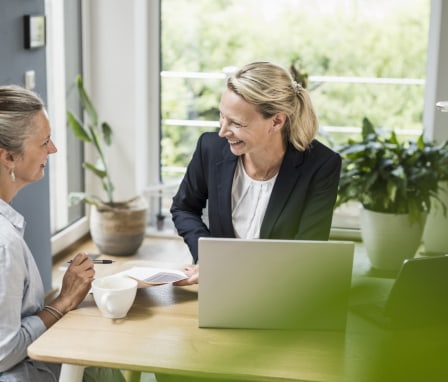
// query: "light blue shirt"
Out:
[21,290]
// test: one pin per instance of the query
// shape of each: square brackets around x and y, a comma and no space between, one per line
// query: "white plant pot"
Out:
[389,239]
[435,234]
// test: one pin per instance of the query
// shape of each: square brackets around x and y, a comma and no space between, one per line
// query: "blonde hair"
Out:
[272,90]
[17,107]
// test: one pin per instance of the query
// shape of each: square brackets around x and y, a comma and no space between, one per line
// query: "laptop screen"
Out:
[274,283]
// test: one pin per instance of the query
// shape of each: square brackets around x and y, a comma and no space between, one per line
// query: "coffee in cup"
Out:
[114,295]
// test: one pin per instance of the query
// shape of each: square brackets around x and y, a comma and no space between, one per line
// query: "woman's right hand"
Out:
[76,283]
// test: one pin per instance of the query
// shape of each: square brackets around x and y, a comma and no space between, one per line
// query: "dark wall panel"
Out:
[33,201]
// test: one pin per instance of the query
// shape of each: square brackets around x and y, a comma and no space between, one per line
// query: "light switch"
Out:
[30,79]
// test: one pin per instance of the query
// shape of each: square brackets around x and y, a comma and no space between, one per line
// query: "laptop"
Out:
[417,298]
[274,284]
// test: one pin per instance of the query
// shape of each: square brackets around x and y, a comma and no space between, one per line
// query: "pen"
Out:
[100,261]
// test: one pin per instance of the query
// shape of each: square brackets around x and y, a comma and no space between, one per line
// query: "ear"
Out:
[278,121]
[6,158]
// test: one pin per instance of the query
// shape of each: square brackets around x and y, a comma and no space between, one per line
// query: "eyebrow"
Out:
[233,119]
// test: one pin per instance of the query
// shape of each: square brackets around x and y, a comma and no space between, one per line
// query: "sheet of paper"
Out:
[148,276]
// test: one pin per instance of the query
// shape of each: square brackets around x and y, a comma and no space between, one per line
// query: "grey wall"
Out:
[33,201]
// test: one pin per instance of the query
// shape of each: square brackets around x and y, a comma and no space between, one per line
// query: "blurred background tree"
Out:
[326,38]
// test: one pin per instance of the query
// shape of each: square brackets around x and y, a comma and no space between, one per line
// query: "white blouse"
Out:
[249,202]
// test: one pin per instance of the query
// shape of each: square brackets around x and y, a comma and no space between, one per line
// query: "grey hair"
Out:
[17,107]
[272,90]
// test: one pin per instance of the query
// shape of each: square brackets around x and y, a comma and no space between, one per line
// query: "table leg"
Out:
[132,376]
[71,373]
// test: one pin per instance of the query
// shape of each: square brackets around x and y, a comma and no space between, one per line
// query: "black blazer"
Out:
[301,203]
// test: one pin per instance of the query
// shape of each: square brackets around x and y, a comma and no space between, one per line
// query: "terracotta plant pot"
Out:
[119,230]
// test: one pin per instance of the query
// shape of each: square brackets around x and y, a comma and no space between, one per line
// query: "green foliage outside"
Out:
[322,38]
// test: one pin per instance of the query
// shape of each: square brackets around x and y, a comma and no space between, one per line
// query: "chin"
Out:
[40,175]
[236,150]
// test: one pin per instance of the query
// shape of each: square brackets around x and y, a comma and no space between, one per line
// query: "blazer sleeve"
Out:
[190,200]
[315,223]
[302,201]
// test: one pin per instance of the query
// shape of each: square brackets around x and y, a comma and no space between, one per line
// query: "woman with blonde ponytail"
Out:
[263,175]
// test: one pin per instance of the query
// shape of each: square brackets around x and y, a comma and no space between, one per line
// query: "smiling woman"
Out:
[263,175]
[25,145]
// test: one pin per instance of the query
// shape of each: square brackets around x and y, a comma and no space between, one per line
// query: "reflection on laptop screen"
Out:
[274,283]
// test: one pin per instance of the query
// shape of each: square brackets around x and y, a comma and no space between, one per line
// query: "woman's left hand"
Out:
[192,271]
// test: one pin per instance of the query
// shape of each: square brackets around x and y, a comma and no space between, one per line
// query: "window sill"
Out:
[64,239]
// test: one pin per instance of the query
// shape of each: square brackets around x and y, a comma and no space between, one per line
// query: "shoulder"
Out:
[322,155]
[13,250]
[316,153]
[317,147]
[212,139]
[211,144]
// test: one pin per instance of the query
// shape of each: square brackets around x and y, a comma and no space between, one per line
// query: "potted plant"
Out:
[117,228]
[395,182]
[435,239]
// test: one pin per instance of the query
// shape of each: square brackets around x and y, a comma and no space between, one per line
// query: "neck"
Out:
[262,168]
[7,189]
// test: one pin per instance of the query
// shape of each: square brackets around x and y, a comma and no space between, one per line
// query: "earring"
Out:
[12,175]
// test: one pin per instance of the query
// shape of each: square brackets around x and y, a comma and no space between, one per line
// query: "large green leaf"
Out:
[86,102]
[98,136]
[96,170]
[77,128]
[107,133]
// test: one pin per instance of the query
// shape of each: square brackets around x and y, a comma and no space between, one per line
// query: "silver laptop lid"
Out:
[274,284]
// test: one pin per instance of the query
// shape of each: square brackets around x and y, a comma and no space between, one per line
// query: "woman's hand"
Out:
[76,283]
[192,271]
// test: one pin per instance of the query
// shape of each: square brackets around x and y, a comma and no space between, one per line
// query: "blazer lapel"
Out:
[285,183]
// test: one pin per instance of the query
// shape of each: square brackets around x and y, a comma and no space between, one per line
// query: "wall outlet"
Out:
[30,79]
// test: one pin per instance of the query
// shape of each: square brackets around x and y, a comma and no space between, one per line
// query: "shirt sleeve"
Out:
[19,301]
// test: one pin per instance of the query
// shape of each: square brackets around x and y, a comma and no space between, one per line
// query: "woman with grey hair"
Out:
[25,144]
[263,175]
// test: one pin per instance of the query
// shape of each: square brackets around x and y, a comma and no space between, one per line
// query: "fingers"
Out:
[82,261]
[192,271]
[81,268]
[80,258]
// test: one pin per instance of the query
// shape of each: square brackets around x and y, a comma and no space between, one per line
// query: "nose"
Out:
[223,127]
[52,147]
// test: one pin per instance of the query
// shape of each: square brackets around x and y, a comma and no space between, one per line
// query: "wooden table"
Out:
[161,335]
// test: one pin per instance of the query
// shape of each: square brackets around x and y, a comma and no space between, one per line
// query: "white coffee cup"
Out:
[114,295]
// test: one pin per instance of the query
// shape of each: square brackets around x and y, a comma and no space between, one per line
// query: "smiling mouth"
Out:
[234,142]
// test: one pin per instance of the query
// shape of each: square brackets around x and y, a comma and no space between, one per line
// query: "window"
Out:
[200,40]
[362,59]
[64,62]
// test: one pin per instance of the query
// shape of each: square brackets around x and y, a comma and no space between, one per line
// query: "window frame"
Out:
[436,87]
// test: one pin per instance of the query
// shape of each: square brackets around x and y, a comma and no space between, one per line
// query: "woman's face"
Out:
[244,127]
[30,166]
